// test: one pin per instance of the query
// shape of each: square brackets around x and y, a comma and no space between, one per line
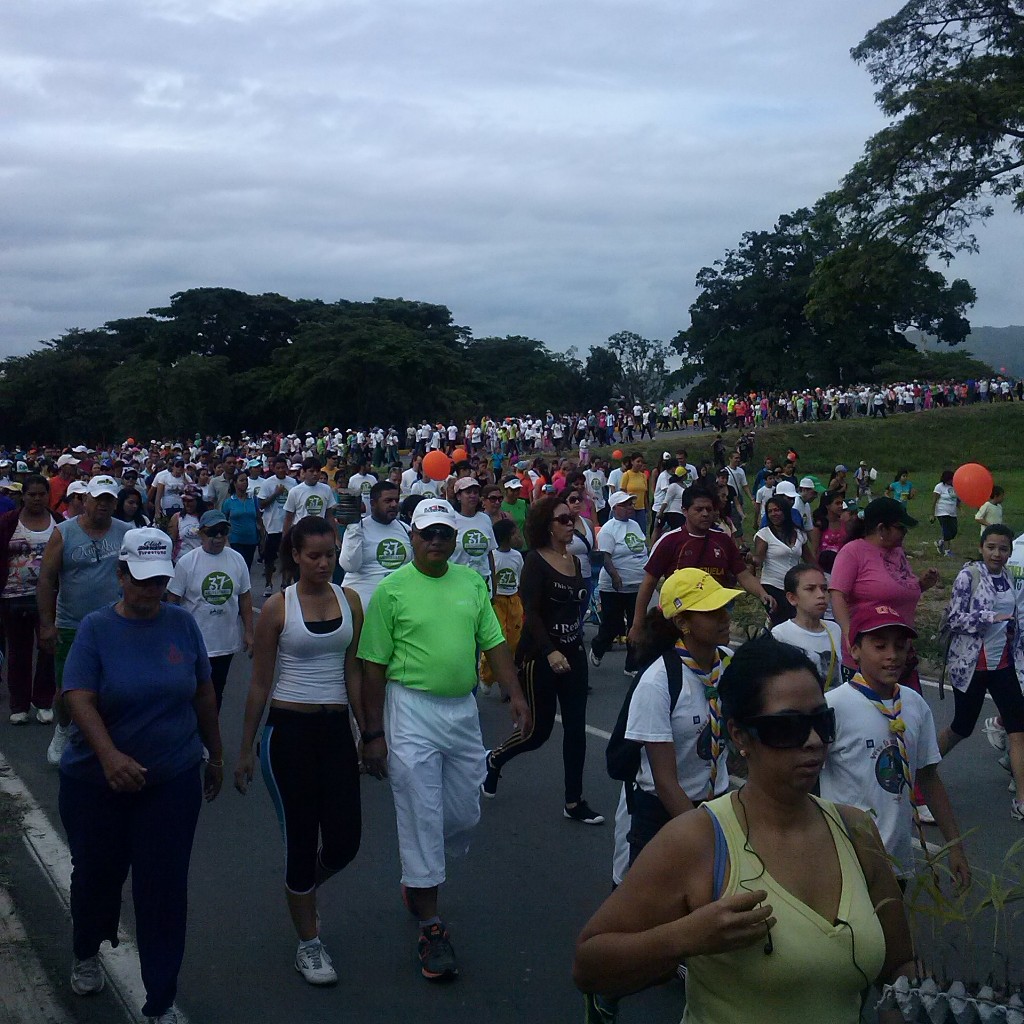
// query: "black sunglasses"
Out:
[217,531]
[437,532]
[565,519]
[573,499]
[790,729]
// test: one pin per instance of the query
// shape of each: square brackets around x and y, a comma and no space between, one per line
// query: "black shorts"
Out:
[271,547]
[950,527]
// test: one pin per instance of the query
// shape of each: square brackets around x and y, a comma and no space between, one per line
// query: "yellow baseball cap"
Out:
[693,590]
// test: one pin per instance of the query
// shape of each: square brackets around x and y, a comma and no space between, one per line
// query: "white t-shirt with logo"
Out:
[824,648]
[946,505]
[624,543]
[595,487]
[209,587]
[370,551]
[427,488]
[360,483]
[687,729]
[174,486]
[475,539]
[273,514]
[304,500]
[508,569]
[863,767]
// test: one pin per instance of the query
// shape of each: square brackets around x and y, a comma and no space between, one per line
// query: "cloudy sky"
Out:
[556,169]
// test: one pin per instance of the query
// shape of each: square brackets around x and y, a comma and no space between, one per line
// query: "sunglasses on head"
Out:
[565,519]
[217,531]
[791,729]
[437,532]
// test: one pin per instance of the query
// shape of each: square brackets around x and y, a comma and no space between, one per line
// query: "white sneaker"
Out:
[1004,763]
[87,976]
[55,750]
[167,1017]
[268,590]
[925,815]
[1012,787]
[44,716]
[313,963]
[994,733]
[19,718]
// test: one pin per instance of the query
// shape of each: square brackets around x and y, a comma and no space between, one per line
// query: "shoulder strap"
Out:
[721,856]
[674,671]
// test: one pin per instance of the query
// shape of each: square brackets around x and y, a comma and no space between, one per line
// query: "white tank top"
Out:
[312,665]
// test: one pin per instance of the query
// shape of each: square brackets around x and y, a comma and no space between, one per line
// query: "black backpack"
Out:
[622,756]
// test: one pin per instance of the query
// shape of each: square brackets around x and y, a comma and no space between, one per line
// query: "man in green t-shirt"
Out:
[513,504]
[419,643]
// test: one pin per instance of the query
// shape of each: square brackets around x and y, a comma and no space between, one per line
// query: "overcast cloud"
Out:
[560,170]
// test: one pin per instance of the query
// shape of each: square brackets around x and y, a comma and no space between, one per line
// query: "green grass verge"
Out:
[926,443]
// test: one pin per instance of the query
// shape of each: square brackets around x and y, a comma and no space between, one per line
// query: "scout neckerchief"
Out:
[709,677]
[896,724]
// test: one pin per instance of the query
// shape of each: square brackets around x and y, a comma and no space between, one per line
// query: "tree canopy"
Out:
[216,360]
[951,75]
[804,305]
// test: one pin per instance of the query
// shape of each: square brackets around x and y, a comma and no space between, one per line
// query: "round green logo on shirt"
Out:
[391,553]
[635,543]
[217,588]
[314,505]
[474,543]
[507,578]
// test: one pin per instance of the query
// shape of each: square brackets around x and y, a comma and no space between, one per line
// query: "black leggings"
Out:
[542,688]
[219,666]
[312,773]
[1005,689]
[617,609]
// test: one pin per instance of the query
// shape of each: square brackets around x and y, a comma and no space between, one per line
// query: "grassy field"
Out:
[925,443]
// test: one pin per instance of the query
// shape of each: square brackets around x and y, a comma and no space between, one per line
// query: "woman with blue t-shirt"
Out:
[240,510]
[137,686]
[902,487]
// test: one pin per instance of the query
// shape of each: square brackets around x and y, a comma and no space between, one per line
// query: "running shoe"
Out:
[437,955]
[268,590]
[924,815]
[1017,809]
[1012,787]
[44,716]
[594,659]
[170,1016]
[490,784]
[1004,763]
[313,963]
[87,976]
[19,718]
[938,546]
[583,812]
[55,750]
[994,733]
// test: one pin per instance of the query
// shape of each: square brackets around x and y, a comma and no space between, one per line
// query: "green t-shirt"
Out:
[426,629]
[517,511]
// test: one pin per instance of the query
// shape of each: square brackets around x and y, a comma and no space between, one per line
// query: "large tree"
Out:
[803,305]
[644,366]
[950,73]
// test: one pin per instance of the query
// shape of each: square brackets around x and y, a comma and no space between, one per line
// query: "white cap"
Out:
[785,488]
[465,482]
[147,552]
[77,487]
[102,485]
[513,484]
[619,497]
[434,512]
[807,482]
[67,460]
[80,450]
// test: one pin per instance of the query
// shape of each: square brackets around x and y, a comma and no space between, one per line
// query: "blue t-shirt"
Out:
[241,515]
[144,674]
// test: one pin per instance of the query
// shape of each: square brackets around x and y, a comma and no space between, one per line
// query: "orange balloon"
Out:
[460,455]
[617,454]
[436,465]
[973,484]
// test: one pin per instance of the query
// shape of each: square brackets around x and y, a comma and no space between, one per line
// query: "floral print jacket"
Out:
[970,615]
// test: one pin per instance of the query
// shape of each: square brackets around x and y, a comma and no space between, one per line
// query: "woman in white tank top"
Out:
[310,632]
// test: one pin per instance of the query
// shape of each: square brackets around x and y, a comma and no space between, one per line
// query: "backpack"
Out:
[945,632]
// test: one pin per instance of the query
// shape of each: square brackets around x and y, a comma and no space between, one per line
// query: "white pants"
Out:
[620,857]
[437,762]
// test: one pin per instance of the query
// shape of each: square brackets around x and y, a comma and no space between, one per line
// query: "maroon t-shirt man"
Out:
[716,553]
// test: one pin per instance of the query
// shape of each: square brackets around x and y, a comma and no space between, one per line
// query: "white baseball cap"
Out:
[147,552]
[77,487]
[67,460]
[434,512]
[513,484]
[102,485]
[786,488]
[464,483]
[807,482]
[619,497]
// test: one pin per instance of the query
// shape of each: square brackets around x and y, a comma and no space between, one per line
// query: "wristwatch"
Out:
[369,737]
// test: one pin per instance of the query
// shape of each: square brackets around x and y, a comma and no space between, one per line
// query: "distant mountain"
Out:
[998,346]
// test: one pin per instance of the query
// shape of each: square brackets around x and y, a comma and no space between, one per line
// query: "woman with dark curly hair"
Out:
[552,662]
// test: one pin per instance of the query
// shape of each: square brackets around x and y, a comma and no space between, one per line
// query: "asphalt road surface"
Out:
[515,905]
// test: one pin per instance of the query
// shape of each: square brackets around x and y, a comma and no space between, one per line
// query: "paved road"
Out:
[515,905]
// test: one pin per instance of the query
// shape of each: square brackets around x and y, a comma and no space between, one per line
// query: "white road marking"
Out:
[54,858]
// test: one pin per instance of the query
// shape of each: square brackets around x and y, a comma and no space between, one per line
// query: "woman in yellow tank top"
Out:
[727,887]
